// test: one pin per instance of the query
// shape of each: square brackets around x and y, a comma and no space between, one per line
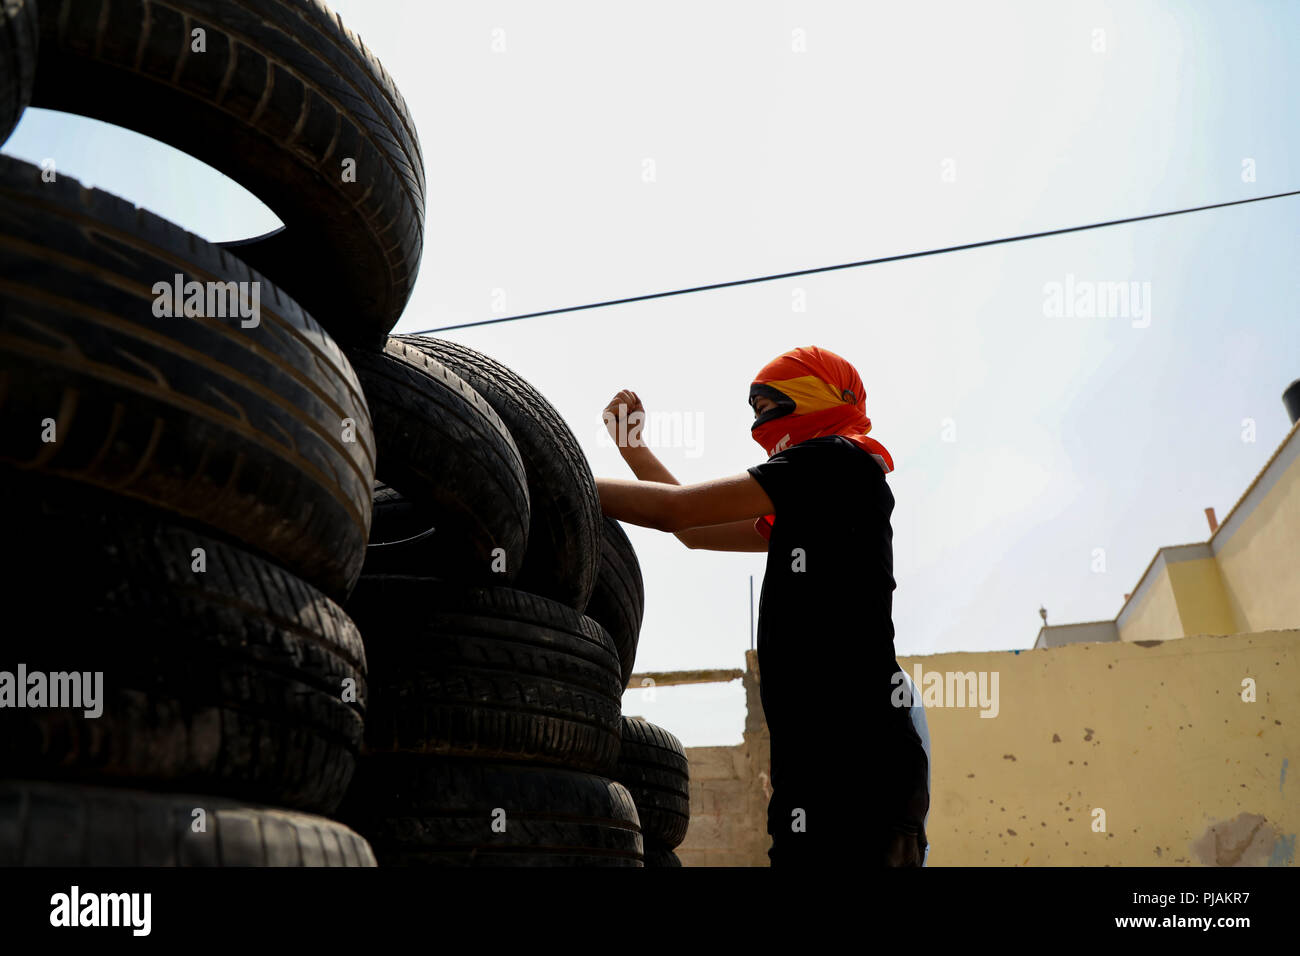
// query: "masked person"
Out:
[849,748]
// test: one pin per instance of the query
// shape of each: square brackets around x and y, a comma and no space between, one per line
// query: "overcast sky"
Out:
[615,149]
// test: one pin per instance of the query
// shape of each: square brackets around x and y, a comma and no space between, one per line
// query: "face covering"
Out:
[816,393]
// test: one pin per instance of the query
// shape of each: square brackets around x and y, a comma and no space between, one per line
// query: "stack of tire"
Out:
[501,613]
[652,763]
[653,767]
[187,489]
[192,491]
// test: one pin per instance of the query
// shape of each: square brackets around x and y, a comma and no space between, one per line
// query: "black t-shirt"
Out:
[825,625]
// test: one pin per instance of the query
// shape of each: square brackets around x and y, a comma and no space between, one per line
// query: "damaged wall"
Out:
[729,792]
[1154,735]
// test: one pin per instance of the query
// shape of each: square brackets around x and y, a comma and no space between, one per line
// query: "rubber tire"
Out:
[300,94]
[486,672]
[19,36]
[443,447]
[49,824]
[652,765]
[419,810]
[237,430]
[403,539]
[618,601]
[564,535]
[230,681]
[659,856]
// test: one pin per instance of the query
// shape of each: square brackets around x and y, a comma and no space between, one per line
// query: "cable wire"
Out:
[853,265]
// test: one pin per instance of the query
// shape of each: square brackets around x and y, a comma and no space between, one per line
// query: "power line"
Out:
[854,265]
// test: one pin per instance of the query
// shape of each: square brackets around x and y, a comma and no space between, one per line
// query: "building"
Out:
[1246,577]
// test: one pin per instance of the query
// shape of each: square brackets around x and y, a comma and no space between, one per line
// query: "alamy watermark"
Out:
[658,429]
[948,689]
[75,908]
[82,690]
[1086,299]
[208,300]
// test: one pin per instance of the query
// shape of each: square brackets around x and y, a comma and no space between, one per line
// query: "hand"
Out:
[619,414]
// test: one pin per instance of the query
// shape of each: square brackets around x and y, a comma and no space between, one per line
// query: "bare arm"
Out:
[733,536]
[665,507]
[729,536]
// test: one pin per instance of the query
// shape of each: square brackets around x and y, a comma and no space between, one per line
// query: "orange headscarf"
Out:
[816,393]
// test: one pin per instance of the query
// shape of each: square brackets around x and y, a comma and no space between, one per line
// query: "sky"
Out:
[577,152]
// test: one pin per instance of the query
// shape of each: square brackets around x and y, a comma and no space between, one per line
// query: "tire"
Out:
[417,810]
[281,96]
[441,445]
[657,856]
[402,539]
[47,824]
[260,435]
[564,534]
[232,680]
[618,601]
[19,34]
[653,767]
[486,672]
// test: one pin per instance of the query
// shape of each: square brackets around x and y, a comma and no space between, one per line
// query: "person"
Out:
[849,770]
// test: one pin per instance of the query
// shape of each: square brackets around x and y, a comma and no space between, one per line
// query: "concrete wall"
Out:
[1256,546]
[1181,593]
[1203,606]
[1152,613]
[1058,634]
[1157,737]
[729,792]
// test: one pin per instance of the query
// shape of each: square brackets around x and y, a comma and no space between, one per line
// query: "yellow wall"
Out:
[1183,598]
[1260,561]
[1154,616]
[1158,737]
[1202,601]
